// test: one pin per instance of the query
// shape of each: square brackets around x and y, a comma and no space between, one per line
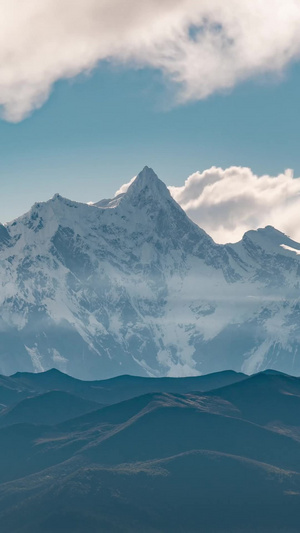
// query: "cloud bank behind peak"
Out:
[228,202]
[202,46]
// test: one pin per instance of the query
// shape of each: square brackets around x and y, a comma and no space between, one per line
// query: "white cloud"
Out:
[227,203]
[202,45]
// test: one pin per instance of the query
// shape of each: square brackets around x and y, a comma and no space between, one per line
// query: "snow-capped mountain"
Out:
[132,285]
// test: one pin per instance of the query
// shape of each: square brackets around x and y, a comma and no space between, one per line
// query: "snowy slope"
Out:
[131,285]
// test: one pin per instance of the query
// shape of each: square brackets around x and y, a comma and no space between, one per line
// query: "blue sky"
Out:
[95,132]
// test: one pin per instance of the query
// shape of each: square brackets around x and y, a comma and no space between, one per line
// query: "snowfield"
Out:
[132,285]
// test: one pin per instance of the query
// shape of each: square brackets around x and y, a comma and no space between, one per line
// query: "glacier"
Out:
[131,285]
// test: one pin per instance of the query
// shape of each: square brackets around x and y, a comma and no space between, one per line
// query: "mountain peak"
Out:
[269,236]
[148,182]
[147,174]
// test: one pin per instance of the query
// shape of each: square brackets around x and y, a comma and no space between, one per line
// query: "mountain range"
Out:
[131,285]
[218,453]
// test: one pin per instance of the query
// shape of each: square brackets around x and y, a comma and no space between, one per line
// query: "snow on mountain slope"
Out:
[131,285]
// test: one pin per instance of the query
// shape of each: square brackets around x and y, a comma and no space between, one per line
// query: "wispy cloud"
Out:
[203,46]
[125,187]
